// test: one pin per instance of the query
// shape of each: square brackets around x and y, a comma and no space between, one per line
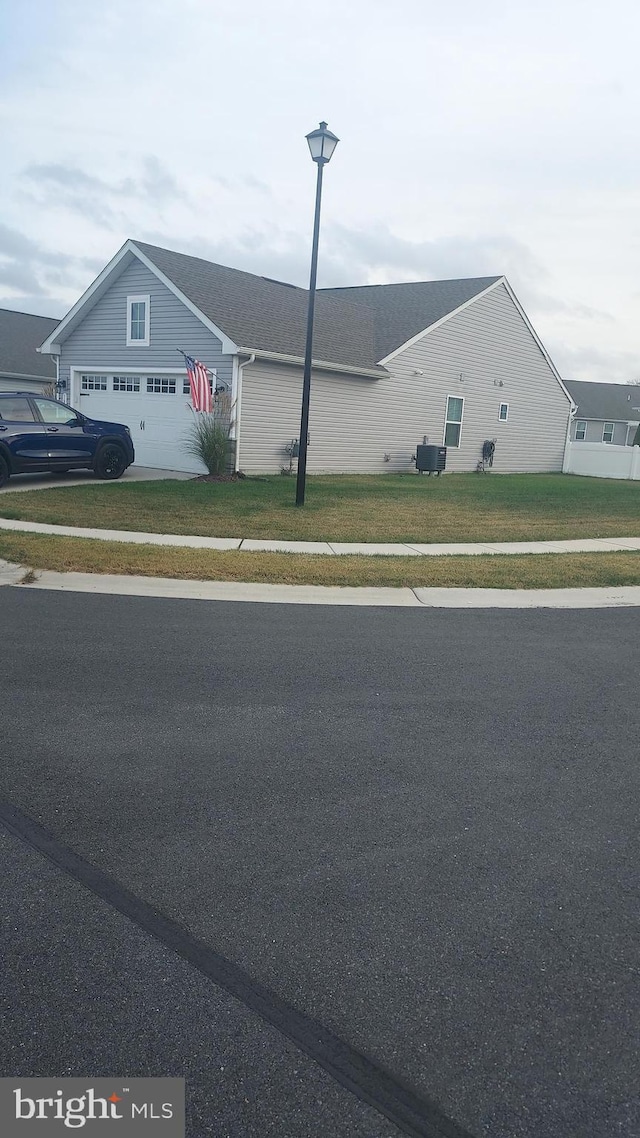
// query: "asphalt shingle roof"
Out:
[401,311]
[354,326]
[20,335]
[256,312]
[613,402]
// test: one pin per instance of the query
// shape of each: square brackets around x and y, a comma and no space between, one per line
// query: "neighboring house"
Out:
[607,412]
[22,367]
[456,361]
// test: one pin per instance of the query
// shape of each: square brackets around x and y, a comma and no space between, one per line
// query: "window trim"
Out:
[453,422]
[583,436]
[139,298]
[506,417]
[608,423]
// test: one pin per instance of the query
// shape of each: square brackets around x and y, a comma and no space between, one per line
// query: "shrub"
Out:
[209,441]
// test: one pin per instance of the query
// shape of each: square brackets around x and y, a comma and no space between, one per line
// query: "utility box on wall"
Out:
[430,459]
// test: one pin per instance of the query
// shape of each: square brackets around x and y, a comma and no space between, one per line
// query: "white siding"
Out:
[354,422]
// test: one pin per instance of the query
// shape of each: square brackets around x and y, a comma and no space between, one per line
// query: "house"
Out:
[607,412]
[21,364]
[453,361]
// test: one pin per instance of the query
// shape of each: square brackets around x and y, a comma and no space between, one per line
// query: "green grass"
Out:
[532,571]
[456,507]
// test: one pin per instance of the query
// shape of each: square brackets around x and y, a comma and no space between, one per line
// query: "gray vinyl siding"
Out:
[354,422]
[100,341]
[595,428]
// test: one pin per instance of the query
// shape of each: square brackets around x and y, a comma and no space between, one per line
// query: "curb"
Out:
[422,598]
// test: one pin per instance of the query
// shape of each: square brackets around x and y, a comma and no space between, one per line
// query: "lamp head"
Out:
[322,143]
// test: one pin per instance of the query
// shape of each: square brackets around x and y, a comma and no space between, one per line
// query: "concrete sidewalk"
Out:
[333,548]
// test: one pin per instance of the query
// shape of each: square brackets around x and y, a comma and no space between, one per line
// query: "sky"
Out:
[475,139]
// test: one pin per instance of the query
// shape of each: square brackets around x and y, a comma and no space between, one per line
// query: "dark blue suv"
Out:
[41,434]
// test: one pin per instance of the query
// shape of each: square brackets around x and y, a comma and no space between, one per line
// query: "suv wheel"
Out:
[111,461]
[4,471]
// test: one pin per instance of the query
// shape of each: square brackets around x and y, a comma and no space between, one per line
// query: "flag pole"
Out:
[186,357]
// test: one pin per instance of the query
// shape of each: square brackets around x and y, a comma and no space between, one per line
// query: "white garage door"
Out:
[155,408]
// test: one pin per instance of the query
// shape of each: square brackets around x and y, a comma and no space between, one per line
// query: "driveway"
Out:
[81,477]
[416,829]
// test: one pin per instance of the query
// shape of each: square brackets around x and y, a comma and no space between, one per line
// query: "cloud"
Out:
[594,364]
[55,184]
[386,257]
[30,270]
[36,304]
[363,256]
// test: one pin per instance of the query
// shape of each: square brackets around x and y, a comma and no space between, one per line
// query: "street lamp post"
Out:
[322,144]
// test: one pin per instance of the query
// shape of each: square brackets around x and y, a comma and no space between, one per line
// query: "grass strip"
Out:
[530,571]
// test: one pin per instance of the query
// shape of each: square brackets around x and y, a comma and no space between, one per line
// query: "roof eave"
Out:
[376,372]
[23,375]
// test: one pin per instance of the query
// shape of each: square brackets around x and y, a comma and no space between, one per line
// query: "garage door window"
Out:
[161,386]
[126,383]
[94,383]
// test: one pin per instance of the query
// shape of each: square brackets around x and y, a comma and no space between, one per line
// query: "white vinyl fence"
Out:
[602,460]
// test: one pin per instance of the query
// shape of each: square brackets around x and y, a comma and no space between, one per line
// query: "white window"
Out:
[453,423]
[126,383]
[607,433]
[503,413]
[93,383]
[581,431]
[161,385]
[138,312]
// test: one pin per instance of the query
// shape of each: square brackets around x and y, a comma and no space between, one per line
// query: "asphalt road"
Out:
[417,827]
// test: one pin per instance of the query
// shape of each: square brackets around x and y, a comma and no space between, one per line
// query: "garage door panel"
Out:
[159,422]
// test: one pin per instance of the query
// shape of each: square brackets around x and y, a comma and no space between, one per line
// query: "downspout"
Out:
[241,368]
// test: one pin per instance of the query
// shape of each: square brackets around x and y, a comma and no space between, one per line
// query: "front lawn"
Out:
[456,507]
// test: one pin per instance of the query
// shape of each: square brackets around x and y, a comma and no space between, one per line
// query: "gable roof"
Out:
[354,328]
[403,311]
[261,313]
[21,334]
[612,402]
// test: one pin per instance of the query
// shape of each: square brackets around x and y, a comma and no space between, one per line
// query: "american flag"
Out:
[199,384]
